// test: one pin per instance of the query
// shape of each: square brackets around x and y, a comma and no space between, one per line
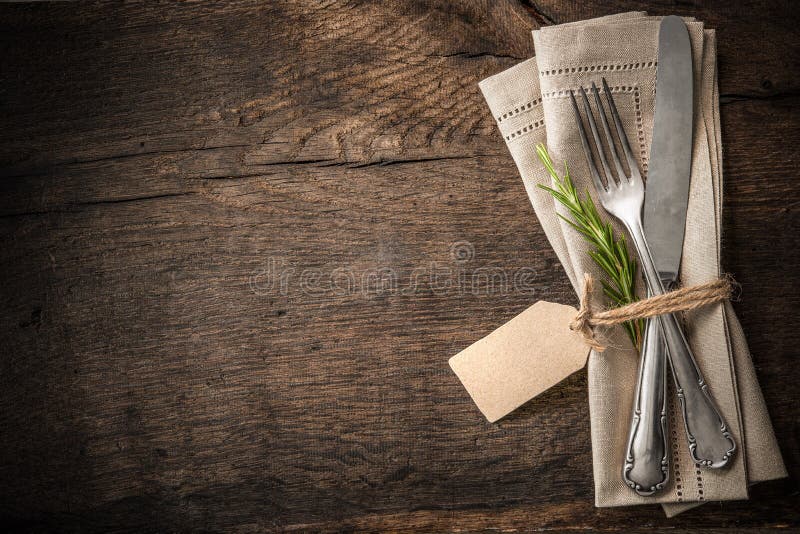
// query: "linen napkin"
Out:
[530,103]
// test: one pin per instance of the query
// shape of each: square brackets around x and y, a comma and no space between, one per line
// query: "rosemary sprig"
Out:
[610,254]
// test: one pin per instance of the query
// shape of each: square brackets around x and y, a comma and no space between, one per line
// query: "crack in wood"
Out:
[96,203]
[536,12]
[133,199]
[728,98]
[473,55]
[45,169]
[385,163]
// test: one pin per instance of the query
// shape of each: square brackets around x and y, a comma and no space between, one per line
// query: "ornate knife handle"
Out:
[647,454]
[710,442]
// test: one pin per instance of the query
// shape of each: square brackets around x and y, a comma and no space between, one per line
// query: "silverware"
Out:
[665,207]
[623,197]
[646,468]
[665,203]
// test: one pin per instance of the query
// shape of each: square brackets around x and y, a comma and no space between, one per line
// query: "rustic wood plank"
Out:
[166,169]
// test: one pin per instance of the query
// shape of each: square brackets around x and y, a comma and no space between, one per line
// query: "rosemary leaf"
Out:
[610,254]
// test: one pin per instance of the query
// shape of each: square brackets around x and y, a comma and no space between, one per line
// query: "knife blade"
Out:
[670,165]
[665,206]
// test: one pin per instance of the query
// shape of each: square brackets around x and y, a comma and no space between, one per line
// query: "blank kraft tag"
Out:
[529,354]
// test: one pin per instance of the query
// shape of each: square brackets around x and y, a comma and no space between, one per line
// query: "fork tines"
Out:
[601,151]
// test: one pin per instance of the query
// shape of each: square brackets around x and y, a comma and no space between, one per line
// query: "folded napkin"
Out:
[530,103]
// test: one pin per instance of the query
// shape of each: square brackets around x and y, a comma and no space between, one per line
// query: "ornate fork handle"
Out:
[647,455]
[710,442]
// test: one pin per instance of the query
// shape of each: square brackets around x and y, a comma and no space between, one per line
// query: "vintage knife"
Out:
[665,205]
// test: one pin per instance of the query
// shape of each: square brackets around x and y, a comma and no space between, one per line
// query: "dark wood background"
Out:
[189,189]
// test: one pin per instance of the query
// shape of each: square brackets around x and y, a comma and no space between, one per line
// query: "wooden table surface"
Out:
[218,226]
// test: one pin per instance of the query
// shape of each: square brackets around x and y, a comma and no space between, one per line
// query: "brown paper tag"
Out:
[529,354]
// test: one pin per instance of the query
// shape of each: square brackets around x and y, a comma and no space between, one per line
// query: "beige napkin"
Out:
[523,99]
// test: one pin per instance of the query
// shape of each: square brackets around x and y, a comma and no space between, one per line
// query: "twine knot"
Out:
[683,299]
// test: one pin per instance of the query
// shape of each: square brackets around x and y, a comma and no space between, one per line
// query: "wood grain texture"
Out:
[219,223]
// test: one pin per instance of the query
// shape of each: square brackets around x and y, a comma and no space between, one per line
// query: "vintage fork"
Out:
[710,443]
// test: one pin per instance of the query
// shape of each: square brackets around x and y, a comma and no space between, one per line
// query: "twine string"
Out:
[683,299]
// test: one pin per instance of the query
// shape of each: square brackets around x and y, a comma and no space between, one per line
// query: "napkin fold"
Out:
[530,103]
